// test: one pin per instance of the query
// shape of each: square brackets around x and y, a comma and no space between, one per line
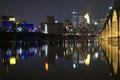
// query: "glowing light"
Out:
[46,50]
[46,29]
[74,66]
[87,60]
[23,57]
[110,7]
[46,66]
[56,56]
[35,50]
[114,24]
[96,23]
[12,60]
[96,55]
[81,62]
[3,61]
[17,23]
[11,19]
[75,12]
[56,21]
[87,17]
[19,51]
[19,29]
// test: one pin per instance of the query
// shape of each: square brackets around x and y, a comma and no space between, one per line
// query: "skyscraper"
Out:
[87,17]
[82,21]
[75,19]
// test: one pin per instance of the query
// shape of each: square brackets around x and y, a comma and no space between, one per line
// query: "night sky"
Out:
[35,11]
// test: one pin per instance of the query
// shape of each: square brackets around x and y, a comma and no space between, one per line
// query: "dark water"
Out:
[55,60]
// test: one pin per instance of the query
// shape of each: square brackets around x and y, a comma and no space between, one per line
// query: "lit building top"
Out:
[75,12]
[87,17]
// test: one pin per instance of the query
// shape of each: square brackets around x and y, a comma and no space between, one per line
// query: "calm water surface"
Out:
[57,60]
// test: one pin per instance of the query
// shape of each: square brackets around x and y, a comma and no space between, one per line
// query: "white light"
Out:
[56,21]
[56,57]
[81,62]
[19,29]
[74,66]
[46,29]
[20,50]
[46,50]
[110,7]
[74,12]
[96,55]
[96,23]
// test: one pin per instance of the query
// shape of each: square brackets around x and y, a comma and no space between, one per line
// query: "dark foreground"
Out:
[54,60]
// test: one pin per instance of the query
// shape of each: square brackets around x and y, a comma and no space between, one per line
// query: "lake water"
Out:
[59,60]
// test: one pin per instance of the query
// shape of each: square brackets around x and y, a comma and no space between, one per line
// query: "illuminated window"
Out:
[11,19]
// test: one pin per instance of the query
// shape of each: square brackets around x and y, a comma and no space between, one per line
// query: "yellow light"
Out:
[17,23]
[87,60]
[11,19]
[46,66]
[3,60]
[12,60]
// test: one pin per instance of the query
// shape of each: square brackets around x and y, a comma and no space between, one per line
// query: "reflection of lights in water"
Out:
[30,50]
[56,56]
[111,53]
[78,45]
[88,44]
[46,66]
[87,60]
[64,53]
[74,66]
[3,61]
[97,44]
[39,53]
[19,51]
[35,50]
[115,59]
[81,62]
[23,57]
[71,48]
[9,51]
[46,50]
[119,58]
[12,60]
[96,55]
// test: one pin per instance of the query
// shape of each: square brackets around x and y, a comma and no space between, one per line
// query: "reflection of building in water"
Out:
[82,52]
[112,54]
[79,52]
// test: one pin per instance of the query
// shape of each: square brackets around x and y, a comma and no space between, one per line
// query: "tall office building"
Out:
[75,19]
[87,17]
[82,21]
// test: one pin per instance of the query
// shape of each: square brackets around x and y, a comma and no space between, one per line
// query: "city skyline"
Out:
[35,12]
